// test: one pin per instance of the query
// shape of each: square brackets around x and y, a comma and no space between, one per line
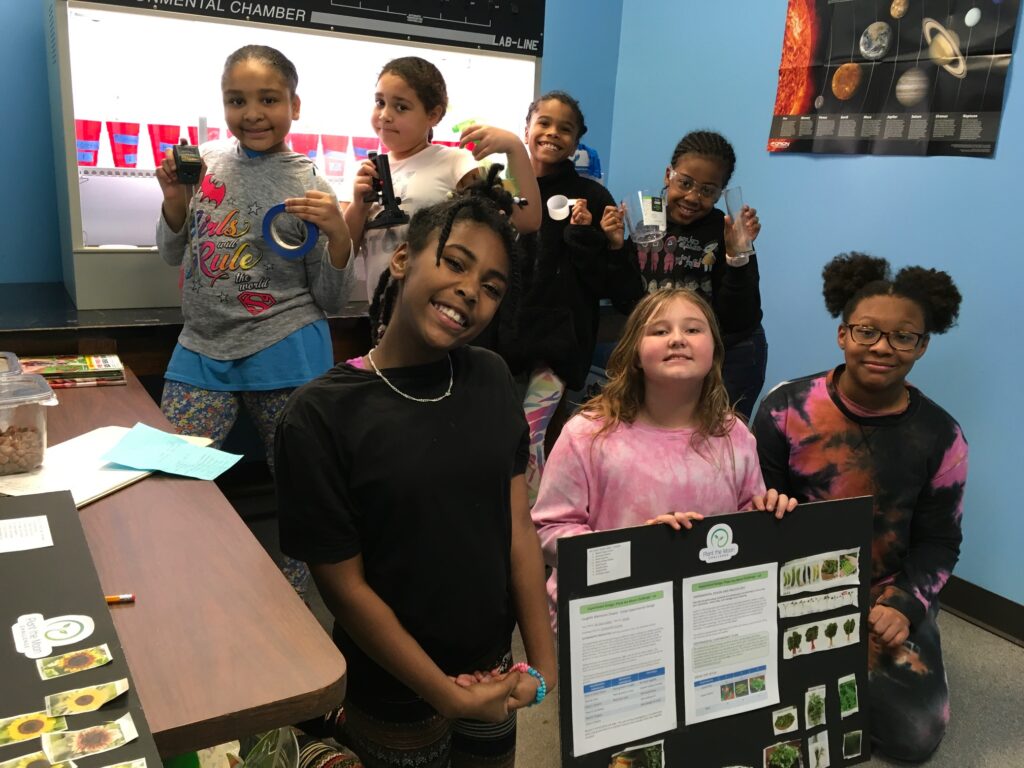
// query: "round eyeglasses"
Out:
[687,184]
[904,341]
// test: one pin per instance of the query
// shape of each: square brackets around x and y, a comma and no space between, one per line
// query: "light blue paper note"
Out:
[147,448]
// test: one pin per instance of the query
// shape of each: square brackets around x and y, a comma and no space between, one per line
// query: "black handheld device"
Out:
[188,162]
[384,193]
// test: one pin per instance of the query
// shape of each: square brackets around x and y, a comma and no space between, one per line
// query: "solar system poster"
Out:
[893,77]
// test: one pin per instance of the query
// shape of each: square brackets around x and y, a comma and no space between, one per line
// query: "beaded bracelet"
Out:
[542,689]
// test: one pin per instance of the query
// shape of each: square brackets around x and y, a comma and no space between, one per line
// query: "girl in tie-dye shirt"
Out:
[862,429]
[660,443]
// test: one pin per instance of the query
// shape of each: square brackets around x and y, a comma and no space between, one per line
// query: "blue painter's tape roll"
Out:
[281,248]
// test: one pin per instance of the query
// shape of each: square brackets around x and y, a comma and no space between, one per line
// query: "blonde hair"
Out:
[623,395]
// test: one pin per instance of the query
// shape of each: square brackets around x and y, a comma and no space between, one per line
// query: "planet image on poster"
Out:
[972,17]
[874,42]
[819,102]
[912,87]
[846,80]
[944,48]
[898,9]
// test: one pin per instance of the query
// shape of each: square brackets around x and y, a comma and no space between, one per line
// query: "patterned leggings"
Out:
[543,394]
[909,695]
[209,413]
[393,734]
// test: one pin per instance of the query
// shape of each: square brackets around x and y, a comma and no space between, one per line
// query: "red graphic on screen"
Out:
[211,190]
[256,303]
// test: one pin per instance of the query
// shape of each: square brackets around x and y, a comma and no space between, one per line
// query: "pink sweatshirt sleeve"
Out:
[750,482]
[563,503]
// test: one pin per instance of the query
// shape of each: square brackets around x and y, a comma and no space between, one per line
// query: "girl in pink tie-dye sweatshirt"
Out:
[660,444]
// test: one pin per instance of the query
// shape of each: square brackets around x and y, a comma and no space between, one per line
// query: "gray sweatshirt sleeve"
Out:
[330,287]
[171,244]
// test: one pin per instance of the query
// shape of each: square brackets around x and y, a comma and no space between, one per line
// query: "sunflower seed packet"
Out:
[73,661]
[140,763]
[87,699]
[89,741]
[29,726]
[34,760]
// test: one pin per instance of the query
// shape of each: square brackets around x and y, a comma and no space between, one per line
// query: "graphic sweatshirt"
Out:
[238,295]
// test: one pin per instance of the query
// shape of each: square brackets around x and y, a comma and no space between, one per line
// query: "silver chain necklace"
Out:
[451,381]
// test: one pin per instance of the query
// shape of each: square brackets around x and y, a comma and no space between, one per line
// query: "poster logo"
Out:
[36,636]
[720,546]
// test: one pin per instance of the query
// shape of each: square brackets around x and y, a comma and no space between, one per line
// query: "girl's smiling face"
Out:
[677,344]
[399,118]
[446,305]
[694,184]
[258,105]
[875,373]
[551,135]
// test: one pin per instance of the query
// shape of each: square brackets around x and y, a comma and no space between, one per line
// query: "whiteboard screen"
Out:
[159,69]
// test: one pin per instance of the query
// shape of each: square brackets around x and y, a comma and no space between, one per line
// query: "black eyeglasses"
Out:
[904,341]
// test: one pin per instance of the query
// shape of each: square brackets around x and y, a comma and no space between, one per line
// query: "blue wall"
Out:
[28,199]
[691,65]
[581,50]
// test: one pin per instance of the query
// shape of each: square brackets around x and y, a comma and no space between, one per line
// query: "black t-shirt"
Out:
[567,269]
[420,490]
[693,256]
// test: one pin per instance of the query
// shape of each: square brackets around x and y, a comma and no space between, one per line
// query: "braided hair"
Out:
[852,277]
[485,202]
[709,144]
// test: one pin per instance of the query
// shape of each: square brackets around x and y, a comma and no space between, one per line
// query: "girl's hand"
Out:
[734,240]
[320,208]
[176,195]
[776,502]
[490,701]
[363,185]
[580,215]
[466,679]
[613,227]
[488,140]
[677,520]
[525,692]
[889,625]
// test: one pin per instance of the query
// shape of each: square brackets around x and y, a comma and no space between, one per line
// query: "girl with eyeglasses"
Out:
[701,251]
[863,429]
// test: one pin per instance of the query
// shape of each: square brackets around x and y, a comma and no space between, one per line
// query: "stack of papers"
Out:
[109,458]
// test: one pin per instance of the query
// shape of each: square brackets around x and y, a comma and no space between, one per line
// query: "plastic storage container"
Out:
[9,364]
[23,401]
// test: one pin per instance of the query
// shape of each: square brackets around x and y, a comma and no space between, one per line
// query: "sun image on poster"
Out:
[896,78]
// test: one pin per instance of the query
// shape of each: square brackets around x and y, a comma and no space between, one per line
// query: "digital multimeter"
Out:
[188,162]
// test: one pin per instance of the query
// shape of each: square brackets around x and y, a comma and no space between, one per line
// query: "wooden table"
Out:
[219,644]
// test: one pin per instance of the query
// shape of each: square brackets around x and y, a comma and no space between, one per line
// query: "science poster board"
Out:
[741,642]
[893,77]
[68,694]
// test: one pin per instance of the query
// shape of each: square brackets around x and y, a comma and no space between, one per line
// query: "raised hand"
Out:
[580,213]
[613,227]
[320,208]
[489,140]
